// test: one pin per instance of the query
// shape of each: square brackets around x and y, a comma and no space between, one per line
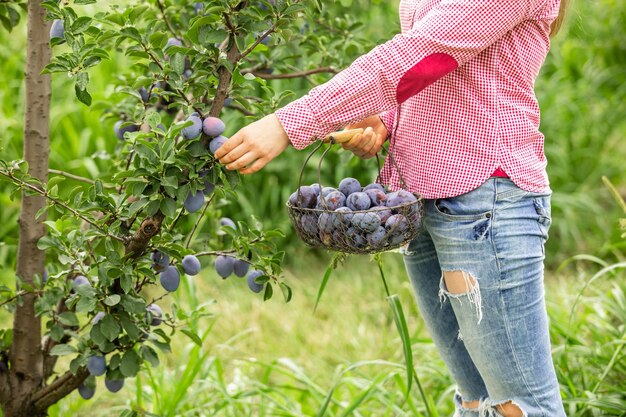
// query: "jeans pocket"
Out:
[455,210]
[544,219]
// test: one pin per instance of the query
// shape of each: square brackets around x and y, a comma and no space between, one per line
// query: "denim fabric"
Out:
[494,339]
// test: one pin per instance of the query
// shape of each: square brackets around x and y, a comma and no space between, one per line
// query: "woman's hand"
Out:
[367,144]
[254,146]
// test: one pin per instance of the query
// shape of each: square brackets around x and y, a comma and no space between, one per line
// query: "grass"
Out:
[277,359]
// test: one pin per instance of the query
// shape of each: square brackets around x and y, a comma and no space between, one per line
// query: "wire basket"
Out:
[367,220]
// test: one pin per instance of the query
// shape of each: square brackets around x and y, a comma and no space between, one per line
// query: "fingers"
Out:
[233,142]
[235,154]
[256,166]
[243,161]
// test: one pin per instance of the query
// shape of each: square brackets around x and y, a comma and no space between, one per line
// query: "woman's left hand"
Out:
[254,146]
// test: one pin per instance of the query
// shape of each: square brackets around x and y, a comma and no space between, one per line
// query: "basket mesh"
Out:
[377,229]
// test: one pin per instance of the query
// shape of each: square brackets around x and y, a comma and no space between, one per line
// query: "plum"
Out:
[113,385]
[377,237]
[377,197]
[339,237]
[306,199]
[397,224]
[224,265]
[326,238]
[397,198]
[160,259]
[374,186]
[355,239]
[193,131]
[327,222]
[226,222]
[217,143]
[145,95]
[209,187]
[213,126]
[309,224]
[44,276]
[383,213]
[397,239]
[154,314]
[173,42]
[358,201]
[170,278]
[80,280]
[344,216]
[96,365]
[198,6]
[327,190]
[97,317]
[194,202]
[86,392]
[333,200]
[187,74]
[57,30]
[191,265]
[367,222]
[349,185]
[121,130]
[240,267]
[252,284]
[316,187]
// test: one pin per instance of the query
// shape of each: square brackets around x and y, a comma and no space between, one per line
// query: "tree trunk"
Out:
[26,359]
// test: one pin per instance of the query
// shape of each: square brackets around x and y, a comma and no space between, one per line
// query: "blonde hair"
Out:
[558,22]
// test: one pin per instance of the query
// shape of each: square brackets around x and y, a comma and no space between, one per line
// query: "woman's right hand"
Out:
[367,144]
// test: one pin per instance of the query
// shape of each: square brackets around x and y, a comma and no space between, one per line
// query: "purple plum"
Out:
[191,265]
[170,278]
[213,126]
[309,224]
[241,267]
[344,216]
[306,198]
[333,200]
[397,224]
[224,265]
[173,42]
[252,284]
[217,143]
[383,213]
[349,185]
[121,128]
[80,280]
[96,365]
[377,237]
[194,130]
[327,222]
[374,186]
[114,385]
[377,197]
[397,198]
[160,259]
[97,317]
[226,222]
[155,314]
[355,238]
[358,201]
[86,392]
[57,30]
[194,202]
[367,222]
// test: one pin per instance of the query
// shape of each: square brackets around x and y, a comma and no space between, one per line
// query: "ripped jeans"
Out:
[493,338]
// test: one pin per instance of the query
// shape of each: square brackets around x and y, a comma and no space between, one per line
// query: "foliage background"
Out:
[582,93]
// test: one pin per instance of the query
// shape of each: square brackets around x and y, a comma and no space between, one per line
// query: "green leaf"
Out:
[112,300]
[286,290]
[82,95]
[269,291]
[133,305]
[68,318]
[130,364]
[80,25]
[194,337]
[62,350]
[168,207]
[109,327]
[148,354]
[177,61]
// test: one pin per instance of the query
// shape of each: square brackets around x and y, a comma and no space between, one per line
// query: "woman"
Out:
[454,95]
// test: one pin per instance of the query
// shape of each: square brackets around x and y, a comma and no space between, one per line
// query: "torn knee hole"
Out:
[471,405]
[510,409]
[459,282]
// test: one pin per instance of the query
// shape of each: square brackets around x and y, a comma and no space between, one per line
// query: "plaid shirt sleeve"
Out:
[448,36]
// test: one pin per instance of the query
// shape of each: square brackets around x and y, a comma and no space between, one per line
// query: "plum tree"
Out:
[96,365]
[191,265]
[170,278]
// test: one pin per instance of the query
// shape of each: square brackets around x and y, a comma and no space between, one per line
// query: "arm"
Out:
[451,34]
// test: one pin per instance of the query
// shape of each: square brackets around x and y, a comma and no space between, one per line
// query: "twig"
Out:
[241,109]
[60,203]
[78,178]
[167,21]
[195,226]
[297,74]
[59,388]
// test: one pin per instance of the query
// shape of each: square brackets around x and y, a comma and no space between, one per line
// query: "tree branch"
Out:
[77,178]
[150,226]
[59,388]
[58,202]
[167,21]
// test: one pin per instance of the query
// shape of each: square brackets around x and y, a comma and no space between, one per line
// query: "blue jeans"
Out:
[494,337]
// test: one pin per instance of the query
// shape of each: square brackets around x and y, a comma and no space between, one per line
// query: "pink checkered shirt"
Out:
[455,91]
